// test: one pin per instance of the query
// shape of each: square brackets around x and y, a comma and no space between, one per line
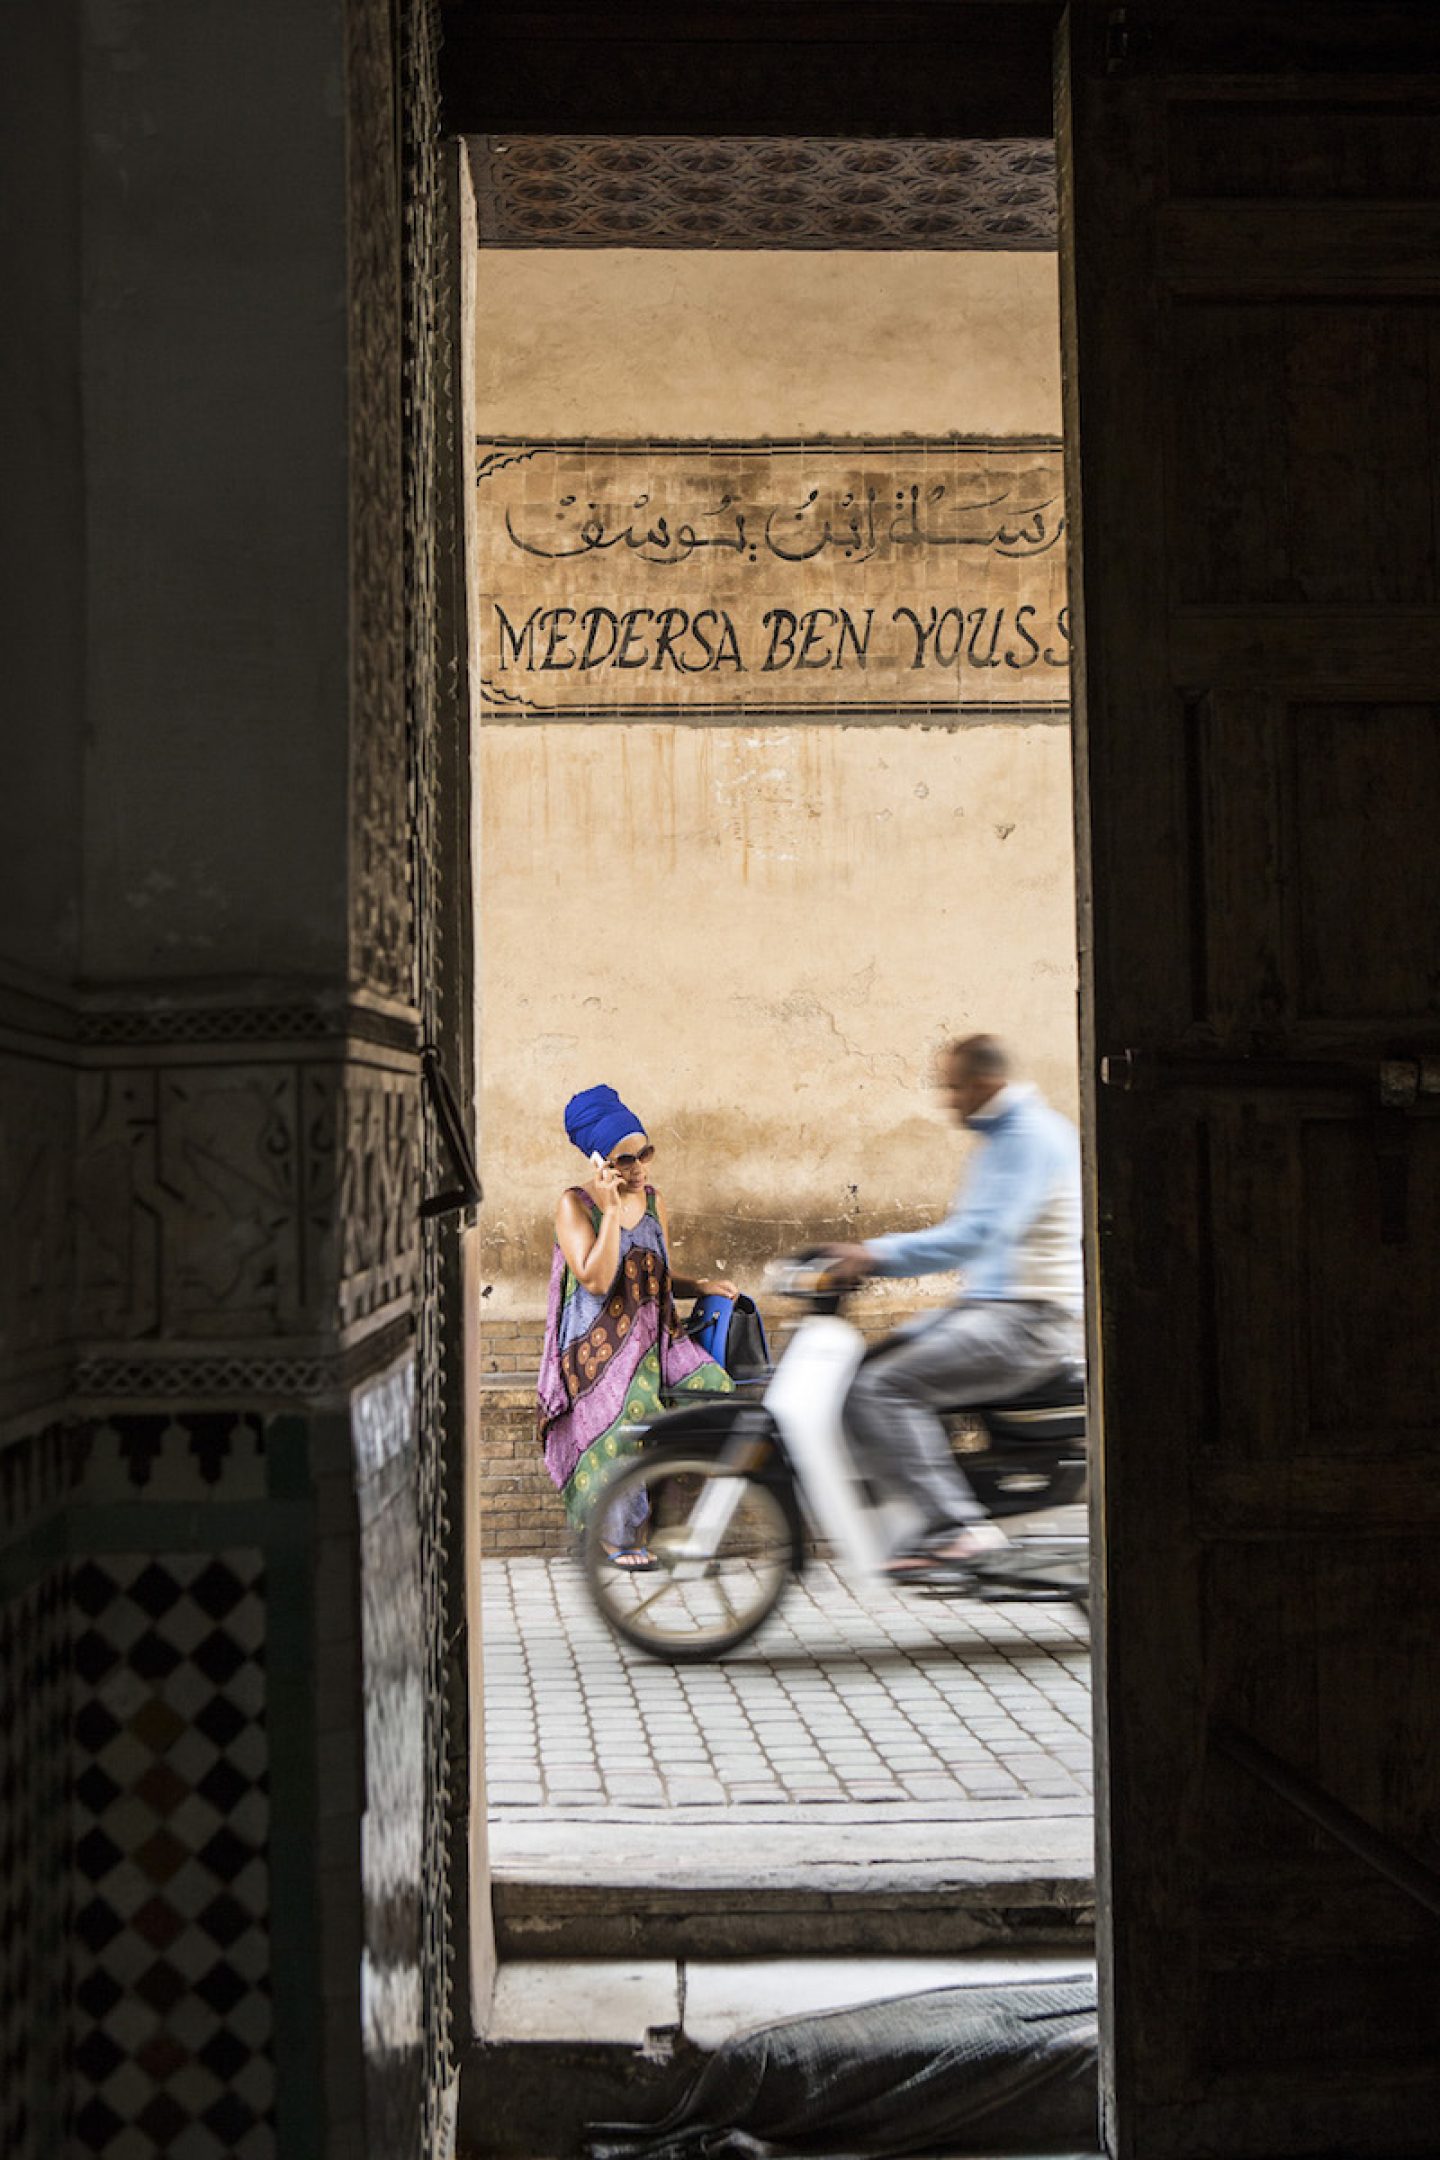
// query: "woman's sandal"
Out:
[633,1559]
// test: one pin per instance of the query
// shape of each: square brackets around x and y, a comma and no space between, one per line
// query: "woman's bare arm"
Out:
[592,1253]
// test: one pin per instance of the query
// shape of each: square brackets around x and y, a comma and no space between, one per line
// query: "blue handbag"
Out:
[732,1332]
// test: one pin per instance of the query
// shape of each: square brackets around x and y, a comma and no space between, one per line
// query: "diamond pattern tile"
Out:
[173,2027]
[34,1861]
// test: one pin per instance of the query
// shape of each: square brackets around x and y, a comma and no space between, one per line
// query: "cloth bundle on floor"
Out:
[1017,2064]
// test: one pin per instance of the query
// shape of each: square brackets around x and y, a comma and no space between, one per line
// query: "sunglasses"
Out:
[628,1162]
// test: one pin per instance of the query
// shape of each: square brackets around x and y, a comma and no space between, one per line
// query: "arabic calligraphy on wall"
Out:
[697,581]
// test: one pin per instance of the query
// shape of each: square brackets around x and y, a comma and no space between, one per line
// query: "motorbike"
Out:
[742,1488]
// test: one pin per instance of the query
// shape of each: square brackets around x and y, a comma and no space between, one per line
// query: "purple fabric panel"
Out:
[679,1359]
[598,1409]
[550,1388]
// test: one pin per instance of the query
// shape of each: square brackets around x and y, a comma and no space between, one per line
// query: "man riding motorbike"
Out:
[1014,1230]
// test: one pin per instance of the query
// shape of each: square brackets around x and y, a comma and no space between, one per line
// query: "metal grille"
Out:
[738,191]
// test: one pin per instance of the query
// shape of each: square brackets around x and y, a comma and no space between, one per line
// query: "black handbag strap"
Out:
[454,1139]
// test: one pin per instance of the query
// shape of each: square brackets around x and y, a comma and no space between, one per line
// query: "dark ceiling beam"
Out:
[943,68]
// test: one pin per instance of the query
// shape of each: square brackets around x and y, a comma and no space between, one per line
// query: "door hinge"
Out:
[1393,1086]
[1393,1083]
[1404,1080]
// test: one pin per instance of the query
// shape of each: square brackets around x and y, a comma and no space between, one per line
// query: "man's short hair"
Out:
[983,1057]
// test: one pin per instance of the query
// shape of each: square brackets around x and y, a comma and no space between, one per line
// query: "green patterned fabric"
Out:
[614,1446]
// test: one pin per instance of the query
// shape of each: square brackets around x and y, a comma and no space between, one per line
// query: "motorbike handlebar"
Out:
[805,1275]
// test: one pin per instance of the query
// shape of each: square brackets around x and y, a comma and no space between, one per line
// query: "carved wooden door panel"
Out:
[1252,208]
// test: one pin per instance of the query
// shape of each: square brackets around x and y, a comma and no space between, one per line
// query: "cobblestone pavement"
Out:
[847,1695]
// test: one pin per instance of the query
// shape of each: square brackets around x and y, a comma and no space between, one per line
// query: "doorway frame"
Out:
[472,1928]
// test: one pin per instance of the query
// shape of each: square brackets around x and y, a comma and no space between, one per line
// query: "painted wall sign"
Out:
[711,581]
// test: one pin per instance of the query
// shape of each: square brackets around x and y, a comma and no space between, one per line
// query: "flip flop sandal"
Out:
[633,1560]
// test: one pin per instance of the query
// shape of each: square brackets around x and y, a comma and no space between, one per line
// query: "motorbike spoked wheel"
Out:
[688,1609]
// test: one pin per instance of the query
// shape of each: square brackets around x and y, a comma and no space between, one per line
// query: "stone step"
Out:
[572,2043]
[863,1883]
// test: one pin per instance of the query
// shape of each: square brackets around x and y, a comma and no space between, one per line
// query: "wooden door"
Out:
[1252,297]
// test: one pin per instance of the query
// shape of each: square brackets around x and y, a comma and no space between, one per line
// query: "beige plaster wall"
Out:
[760,933]
[650,342]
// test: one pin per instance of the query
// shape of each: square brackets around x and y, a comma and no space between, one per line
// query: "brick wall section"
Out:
[520,1511]
[511,1346]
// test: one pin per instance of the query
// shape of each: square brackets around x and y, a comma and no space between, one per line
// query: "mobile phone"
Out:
[597,1160]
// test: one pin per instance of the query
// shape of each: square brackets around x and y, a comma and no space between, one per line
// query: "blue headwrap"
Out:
[596,1118]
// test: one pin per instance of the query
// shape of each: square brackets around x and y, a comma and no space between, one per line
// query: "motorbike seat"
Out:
[1052,1410]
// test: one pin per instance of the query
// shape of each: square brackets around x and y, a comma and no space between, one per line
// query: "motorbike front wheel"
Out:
[724,1541]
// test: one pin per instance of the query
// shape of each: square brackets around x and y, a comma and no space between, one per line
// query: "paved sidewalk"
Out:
[848,1697]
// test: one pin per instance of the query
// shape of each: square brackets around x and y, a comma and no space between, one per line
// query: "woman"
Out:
[610,1341]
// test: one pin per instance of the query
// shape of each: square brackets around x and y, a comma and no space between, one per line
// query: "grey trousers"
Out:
[967,1354]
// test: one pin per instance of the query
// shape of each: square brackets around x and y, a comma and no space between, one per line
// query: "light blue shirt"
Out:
[1014,1223]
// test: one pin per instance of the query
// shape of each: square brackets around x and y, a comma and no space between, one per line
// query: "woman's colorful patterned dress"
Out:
[605,1362]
